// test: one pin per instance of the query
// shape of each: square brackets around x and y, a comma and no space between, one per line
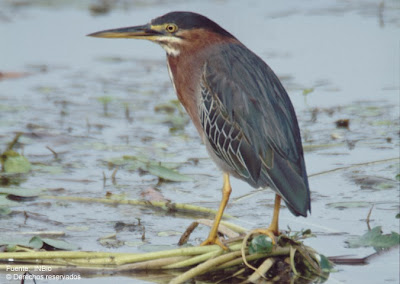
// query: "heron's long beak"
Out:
[139,32]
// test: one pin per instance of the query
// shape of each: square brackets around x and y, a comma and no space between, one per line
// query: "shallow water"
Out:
[348,52]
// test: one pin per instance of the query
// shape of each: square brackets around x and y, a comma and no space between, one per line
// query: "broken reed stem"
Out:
[159,204]
[261,270]
[234,227]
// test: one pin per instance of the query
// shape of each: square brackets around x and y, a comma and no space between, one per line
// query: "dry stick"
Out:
[11,145]
[353,166]
[52,151]
[226,228]
[369,216]
[185,236]
[114,174]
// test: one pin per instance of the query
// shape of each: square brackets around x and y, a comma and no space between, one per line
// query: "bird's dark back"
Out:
[255,100]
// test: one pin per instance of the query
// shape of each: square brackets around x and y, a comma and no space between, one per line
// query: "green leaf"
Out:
[260,244]
[325,264]
[375,238]
[15,163]
[307,91]
[166,173]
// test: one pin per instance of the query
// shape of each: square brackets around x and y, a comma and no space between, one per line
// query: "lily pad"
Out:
[12,243]
[36,242]
[53,243]
[163,170]
[166,173]
[375,238]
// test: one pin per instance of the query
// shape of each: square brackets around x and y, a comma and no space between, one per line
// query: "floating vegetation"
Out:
[374,238]
[13,162]
[249,261]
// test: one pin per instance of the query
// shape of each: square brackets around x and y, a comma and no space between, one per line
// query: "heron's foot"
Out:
[214,240]
[270,232]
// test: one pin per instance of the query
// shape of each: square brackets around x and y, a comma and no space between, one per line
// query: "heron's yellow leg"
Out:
[213,236]
[273,229]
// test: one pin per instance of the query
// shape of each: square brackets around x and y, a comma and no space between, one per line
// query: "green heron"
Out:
[240,109]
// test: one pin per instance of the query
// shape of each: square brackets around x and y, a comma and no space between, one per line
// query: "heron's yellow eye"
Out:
[171,28]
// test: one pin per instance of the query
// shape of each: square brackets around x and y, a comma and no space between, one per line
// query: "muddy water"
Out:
[93,101]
